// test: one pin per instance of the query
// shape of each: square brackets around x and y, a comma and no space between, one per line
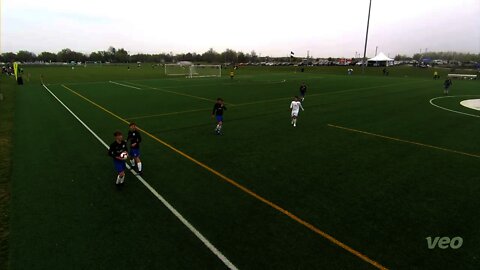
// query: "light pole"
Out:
[366,39]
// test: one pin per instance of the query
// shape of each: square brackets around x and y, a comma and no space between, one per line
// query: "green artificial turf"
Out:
[371,163]
[7,100]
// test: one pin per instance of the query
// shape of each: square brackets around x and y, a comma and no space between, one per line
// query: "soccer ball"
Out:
[284,80]
[124,155]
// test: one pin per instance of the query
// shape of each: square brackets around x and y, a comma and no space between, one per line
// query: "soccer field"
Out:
[373,168]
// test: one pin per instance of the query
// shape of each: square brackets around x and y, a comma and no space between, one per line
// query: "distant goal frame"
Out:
[191,71]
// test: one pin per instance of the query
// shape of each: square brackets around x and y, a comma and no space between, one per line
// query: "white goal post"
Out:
[193,71]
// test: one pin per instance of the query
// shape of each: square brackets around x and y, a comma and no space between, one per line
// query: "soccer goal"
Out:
[93,63]
[193,71]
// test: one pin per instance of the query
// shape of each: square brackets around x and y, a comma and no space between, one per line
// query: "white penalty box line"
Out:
[179,216]
[125,85]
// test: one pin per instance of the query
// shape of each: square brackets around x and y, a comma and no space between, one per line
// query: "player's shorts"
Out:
[135,152]
[119,165]
[219,118]
[302,94]
[295,113]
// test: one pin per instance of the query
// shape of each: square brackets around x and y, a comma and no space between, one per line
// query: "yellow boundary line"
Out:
[244,189]
[405,141]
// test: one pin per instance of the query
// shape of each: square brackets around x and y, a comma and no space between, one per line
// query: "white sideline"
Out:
[185,222]
[125,85]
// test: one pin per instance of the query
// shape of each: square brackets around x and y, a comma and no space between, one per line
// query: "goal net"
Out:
[193,71]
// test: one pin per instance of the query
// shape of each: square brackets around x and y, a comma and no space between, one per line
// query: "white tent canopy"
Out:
[380,58]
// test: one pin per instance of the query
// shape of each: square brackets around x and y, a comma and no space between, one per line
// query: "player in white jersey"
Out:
[295,106]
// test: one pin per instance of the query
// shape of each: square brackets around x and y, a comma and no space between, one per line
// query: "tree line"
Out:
[120,55]
[449,56]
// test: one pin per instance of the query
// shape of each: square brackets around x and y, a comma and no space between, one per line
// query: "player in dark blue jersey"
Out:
[116,149]
[135,139]
[446,85]
[303,91]
[217,112]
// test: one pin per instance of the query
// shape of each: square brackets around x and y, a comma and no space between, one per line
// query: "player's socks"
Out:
[118,180]
[139,166]
[122,179]
[132,162]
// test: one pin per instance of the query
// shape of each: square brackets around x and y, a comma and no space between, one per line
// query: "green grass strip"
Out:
[7,100]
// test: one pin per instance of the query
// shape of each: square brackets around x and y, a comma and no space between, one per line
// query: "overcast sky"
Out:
[325,28]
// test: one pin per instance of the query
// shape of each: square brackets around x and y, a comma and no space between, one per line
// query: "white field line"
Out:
[454,111]
[323,93]
[255,102]
[185,222]
[176,86]
[125,85]
[162,89]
